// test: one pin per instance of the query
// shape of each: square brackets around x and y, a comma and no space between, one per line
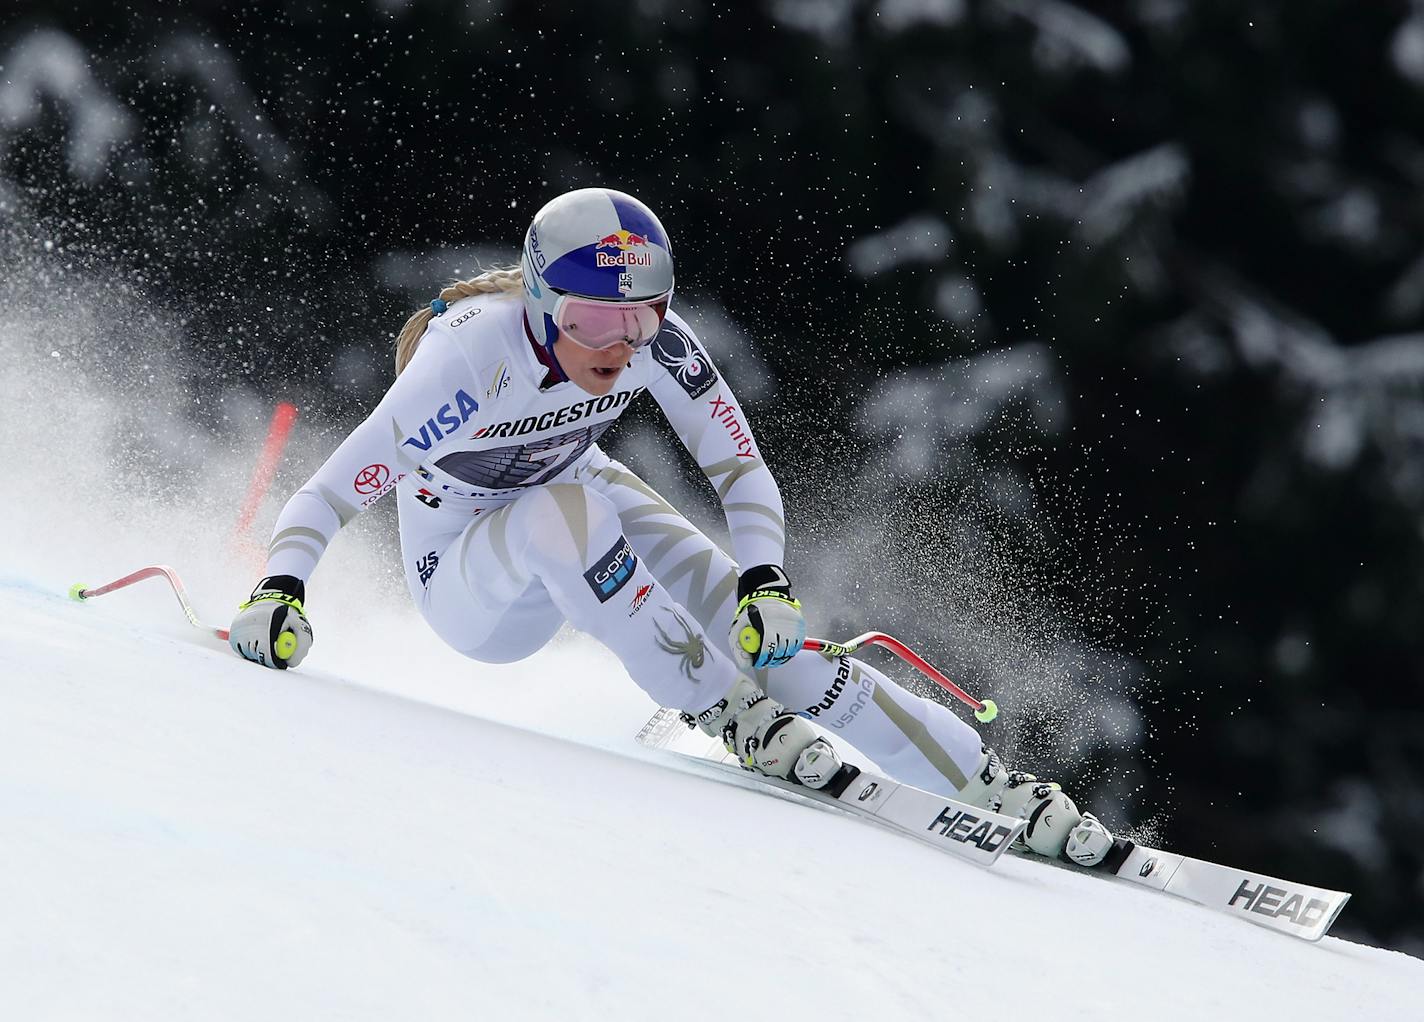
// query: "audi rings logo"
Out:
[371,479]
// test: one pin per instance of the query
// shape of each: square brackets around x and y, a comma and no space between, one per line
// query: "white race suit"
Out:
[512,521]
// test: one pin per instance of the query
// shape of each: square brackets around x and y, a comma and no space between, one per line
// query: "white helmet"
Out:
[606,248]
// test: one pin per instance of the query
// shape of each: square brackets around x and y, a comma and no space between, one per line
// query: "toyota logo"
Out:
[372,479]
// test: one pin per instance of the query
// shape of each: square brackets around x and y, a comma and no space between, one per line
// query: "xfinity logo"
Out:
[726,413]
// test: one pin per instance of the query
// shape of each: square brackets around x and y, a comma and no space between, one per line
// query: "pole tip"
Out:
[988,713]
[76,591]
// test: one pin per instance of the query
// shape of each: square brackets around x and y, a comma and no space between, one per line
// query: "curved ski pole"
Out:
[81,593]
[984,711]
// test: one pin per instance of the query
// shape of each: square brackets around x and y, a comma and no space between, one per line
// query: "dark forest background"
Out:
[1086,338]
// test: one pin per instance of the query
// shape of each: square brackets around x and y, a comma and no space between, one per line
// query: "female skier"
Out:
[513,521]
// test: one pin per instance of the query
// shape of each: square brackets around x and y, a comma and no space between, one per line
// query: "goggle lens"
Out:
[597,325]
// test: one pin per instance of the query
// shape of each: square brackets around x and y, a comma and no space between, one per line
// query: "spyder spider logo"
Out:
[690,649]
[683,359]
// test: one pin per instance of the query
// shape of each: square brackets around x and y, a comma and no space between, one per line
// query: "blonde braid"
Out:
[504,280]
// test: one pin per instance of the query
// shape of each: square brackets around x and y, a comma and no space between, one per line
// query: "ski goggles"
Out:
[595,324]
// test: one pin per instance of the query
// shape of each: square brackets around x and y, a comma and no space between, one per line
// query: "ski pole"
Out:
[81,592]
[984,711]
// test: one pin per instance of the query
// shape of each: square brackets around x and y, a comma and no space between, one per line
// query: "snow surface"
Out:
[189,836]
[394,832]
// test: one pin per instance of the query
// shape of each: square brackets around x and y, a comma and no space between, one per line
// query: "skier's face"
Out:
[593,371]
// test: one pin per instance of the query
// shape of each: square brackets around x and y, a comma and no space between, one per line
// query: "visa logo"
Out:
[446,421]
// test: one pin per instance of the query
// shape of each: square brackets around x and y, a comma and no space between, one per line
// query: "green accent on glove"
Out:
[290,601]
[767,594]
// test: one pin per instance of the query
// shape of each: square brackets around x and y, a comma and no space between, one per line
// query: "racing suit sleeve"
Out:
[700,406]
[435,386]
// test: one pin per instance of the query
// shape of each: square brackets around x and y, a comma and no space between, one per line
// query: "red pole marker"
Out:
[80,592]
[984,711]
[278,432]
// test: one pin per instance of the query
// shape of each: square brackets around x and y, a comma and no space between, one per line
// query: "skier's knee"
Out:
[570,525]
[572,504]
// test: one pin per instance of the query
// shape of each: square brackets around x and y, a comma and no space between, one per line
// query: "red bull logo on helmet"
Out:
[627,243]
[621,239]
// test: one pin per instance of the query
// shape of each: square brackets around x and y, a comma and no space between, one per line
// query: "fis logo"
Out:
[612,571]
[499,382]
[446,421]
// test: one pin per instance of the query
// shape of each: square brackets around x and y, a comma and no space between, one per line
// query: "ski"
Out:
[972,834]
[1297,910]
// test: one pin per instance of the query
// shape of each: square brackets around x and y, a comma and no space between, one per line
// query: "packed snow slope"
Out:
[393,832]
[189,836]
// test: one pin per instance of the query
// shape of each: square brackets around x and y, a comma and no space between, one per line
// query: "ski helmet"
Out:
[598,266]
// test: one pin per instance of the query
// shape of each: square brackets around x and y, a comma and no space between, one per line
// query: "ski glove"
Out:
[769,628]
[270,628]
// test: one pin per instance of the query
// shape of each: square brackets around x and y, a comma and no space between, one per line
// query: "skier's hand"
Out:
[270,628]
[769,628]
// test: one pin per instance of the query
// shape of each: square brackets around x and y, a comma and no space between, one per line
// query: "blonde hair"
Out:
[500,280]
